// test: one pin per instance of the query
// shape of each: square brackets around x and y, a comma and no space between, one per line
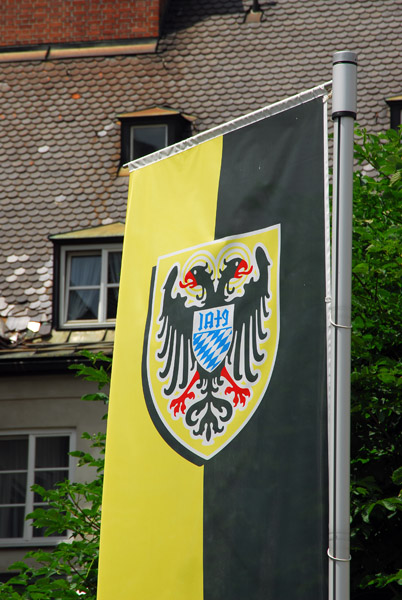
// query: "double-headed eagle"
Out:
[212,344]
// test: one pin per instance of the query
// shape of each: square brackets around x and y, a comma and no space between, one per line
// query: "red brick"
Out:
[52,21]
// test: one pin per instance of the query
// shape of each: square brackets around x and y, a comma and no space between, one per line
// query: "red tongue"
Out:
[190,281]
[242,270]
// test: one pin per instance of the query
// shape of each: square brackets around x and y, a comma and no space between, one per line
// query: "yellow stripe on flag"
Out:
[152,522]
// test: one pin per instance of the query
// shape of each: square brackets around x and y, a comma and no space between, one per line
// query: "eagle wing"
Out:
[175,334]
[250,312]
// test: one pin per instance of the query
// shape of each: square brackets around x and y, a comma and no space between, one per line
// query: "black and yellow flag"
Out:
[215,483]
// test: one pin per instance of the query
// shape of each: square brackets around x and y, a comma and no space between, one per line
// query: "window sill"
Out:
[85,326]
[37,542]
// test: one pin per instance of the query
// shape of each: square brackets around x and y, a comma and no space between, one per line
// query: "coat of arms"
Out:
[212,337]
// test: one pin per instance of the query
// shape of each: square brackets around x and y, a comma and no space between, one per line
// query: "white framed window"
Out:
[90,278]
[26,458]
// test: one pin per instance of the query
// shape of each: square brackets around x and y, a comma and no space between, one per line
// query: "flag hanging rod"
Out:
[205,136]
[343,114]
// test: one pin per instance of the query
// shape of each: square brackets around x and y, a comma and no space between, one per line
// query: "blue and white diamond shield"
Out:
[212,335]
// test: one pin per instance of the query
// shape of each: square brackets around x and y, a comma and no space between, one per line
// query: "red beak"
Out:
[190,281]
[242,269]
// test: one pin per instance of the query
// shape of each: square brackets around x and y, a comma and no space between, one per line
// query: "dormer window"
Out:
[145,139]
[395,105]
[147,131]
[87,277]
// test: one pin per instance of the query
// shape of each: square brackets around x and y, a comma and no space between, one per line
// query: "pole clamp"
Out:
[340,326]
[338,559]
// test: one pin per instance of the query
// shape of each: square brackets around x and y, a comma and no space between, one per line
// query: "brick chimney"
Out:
[25,23]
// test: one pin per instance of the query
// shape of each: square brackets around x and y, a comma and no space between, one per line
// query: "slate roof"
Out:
[60,134]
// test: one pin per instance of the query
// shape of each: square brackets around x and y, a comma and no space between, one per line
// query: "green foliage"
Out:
[94,372]
[69,570]
[376,364]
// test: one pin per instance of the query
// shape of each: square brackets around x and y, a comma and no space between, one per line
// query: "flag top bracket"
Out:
[205,136]
[344,84]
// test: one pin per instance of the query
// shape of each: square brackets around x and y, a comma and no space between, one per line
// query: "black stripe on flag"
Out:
[265,494]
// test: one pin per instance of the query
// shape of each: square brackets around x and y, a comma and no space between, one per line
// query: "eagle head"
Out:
[198,276]
[235,268]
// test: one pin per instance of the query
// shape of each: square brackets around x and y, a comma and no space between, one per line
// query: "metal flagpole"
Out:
[343,114]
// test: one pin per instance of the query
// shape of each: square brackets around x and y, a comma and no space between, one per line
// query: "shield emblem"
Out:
[211,340]
[212,335]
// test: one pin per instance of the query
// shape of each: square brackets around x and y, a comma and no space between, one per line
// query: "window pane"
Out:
[13,488]
[145,140]
[83,304]
[11,522]
[114,266]
[85,270]
[48,479]
[13,453]
[52,451]
[112,294]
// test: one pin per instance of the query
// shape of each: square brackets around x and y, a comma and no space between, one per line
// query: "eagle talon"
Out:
[179,404]
[240,394]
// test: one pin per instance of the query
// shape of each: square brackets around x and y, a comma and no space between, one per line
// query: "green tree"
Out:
[376,368]
[69,570]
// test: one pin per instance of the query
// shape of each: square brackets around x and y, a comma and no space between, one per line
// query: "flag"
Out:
[215,481]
